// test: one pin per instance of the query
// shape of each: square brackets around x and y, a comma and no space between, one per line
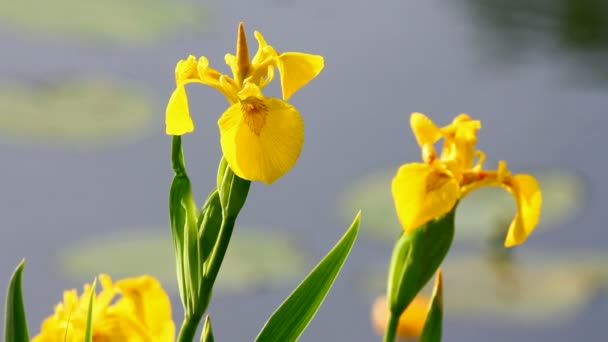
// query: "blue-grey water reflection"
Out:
[384,60]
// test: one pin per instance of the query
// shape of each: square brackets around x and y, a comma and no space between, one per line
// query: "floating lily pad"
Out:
[118,20]
[478,214]
[255,259]
[532,288]
[78,113]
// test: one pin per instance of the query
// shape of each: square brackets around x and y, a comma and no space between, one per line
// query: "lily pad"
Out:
[116,20]
[256,259]
[77,113]
[533,288]
[478,213]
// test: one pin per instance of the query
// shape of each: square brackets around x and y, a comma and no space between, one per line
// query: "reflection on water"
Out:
[354,126]
[113,20]
[258,259]
[567,31]
[75,113]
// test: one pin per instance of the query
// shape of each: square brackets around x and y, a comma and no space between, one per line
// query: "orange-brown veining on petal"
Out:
[436,179]
[255,112]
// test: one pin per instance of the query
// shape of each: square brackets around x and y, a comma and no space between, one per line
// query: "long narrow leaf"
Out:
[15,322]
[293,316]
[207,335]
[432,327]
[88,333]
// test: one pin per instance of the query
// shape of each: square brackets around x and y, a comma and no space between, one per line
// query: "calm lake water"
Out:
[535,74]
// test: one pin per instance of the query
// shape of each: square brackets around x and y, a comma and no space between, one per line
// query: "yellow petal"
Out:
[186,69]
[177,116]
[264,50]
[411,321]
[232,63]
[421,193]
[527,194]
[425,131]
[144,301]
[271,153]
[297,69]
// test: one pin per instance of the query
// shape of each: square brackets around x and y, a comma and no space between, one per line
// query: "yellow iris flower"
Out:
[141,314]
[424,191]
[261,137]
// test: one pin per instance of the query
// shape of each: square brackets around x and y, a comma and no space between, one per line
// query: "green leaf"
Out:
[88,333]
[433,324]
[207,335]
[209,224]
[15,322]
[293,316]
[425,248]
[184,214]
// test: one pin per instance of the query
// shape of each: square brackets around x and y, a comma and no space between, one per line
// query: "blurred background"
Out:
[85,161]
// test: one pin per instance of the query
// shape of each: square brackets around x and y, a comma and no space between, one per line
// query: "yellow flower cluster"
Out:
[427,190]
[261,137]
[142,313]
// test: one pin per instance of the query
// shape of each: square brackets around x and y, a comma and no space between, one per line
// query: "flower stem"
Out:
[391,328]
[217,256]
[189,327]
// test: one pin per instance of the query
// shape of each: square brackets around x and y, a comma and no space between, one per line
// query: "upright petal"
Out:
[425,131]
[421,193]
[528,196]
[177,116]
[265,153]
[264,50]
[297,69]
[186,69]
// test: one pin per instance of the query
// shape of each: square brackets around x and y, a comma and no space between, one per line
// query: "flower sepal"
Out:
[416,257]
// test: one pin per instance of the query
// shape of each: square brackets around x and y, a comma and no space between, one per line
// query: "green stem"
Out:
[189,327]
[177,157]
[391,328]
[219,251]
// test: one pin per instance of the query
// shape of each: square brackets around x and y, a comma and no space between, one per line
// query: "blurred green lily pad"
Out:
[116,20]
[533,288]
[255,259]
[77,113]
[478,214]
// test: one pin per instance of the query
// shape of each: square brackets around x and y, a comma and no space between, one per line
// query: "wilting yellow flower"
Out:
[424,191]
[261,137]
[142,313]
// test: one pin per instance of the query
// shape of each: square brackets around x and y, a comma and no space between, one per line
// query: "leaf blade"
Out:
[15,322]
[293,316]
[88,332]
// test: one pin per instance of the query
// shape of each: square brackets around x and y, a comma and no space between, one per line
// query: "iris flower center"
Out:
[254,112]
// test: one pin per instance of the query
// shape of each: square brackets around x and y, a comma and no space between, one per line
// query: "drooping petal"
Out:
[297,69]
[177,115]
[526,190]
[421,193]
[271,153]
